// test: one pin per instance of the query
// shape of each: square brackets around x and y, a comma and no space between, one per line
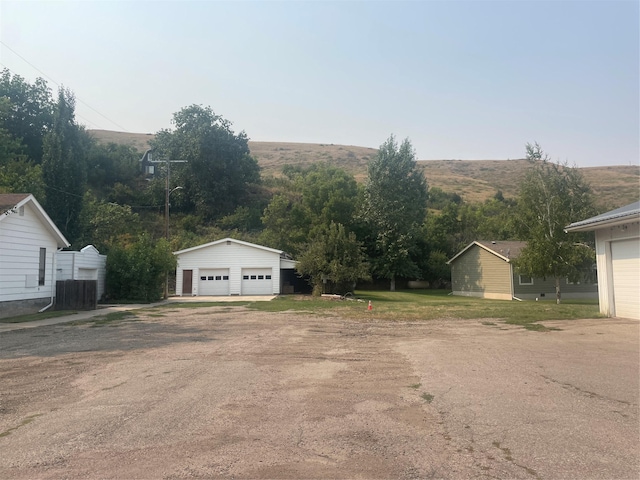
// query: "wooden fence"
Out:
[76,295]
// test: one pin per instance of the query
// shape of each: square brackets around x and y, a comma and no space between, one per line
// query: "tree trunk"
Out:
[558,290]
[392,287]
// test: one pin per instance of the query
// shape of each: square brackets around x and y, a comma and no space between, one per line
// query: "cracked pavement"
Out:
[227,392]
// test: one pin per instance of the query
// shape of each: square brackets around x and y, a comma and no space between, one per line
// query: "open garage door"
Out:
[213,282]
[257,281]
[625,263]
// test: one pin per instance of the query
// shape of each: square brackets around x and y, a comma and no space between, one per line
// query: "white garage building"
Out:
[618,259]
[230,267]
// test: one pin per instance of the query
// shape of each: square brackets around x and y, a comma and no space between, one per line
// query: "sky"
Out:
[469,80]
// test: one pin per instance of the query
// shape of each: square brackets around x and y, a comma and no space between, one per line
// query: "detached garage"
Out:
[230,267]
[618,259]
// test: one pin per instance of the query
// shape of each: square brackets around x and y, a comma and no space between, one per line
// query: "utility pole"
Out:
[146,160]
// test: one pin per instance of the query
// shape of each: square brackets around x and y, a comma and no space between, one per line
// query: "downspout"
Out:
[513,297]
[53,283]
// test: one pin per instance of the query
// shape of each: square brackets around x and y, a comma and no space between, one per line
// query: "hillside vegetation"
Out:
[473,180]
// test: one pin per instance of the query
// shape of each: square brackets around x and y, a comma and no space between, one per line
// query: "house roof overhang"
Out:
[10,203]
[620,216]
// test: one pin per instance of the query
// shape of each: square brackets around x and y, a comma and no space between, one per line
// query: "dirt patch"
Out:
[233,393]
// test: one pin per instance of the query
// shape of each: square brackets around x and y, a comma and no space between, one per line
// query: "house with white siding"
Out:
[29,241]
[618,259]
[87,264]
[232,267]
[485,269]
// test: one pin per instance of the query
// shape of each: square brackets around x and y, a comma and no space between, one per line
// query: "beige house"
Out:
[485,269]
[618,259]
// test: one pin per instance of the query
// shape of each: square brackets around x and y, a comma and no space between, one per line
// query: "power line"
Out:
[57,84]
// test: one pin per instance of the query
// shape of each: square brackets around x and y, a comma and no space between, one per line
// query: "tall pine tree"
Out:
[64,167]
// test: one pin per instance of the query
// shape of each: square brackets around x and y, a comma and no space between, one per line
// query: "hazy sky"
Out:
[460,79]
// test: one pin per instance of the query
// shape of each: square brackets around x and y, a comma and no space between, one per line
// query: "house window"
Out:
[42,266]
[268,277]
[203,278]
[253,277]
[525,280]
[225,277]
[260,277]
[210,277]
[218,277]
[245,277]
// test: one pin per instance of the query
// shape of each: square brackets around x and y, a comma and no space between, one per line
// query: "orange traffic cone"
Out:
[370,307]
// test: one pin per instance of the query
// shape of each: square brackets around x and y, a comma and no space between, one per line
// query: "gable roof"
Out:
[11,202]
[233,240]
[618,216]
[504,249]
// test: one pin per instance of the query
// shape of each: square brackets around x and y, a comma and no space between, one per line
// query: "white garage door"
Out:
[625,261]
[256,281]
[213,282]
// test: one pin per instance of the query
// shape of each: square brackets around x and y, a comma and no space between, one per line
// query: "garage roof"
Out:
[231,240]
[618,216]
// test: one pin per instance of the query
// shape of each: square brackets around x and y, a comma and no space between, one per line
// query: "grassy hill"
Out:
[474,180]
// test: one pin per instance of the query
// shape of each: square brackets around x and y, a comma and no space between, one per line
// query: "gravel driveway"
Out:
[226,392]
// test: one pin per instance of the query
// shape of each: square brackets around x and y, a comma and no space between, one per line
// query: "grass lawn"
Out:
[417,305]
[406,305]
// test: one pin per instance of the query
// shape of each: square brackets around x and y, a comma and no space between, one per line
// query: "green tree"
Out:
[64,167]
[10,147]
[286,224]
[552,196]
[112,170]
[137,271]
[22,176]
[312,198]
[395,205]
[219,169]
[334,256]
[31,114]
[106,224]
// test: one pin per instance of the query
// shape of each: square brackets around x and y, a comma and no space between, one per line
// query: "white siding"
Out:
[232,256]
[608,291]
[21,238]
[87,264]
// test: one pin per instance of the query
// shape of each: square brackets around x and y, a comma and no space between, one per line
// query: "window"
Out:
[268,277]
[203,278]
[210,277]
[42,266]
[260,277]
[253,277]
[218,277]
[225,277]
[245,277]
[525,280]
